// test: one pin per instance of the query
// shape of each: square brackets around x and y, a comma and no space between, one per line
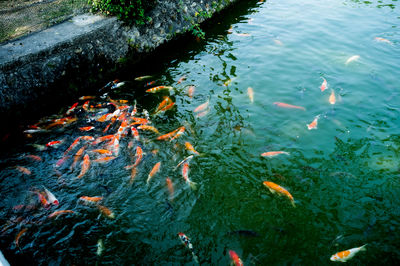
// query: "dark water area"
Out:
[343,172]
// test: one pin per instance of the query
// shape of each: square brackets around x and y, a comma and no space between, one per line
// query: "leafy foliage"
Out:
[130,11]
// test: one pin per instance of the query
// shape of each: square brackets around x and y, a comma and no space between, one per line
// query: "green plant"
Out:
[197,31]
[130,11]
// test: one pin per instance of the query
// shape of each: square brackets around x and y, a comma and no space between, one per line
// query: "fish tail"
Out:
[293,203]
[195,258]
[148,179]
[363,248]
[193,185]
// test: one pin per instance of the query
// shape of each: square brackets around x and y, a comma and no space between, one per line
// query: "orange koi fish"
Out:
[168,135]
[181,79]
[139,121]
[201,107]
[150,128]
[87,138]
[185,175]
[163,103]
[382,40]
[135,133]
[273,153]
[85,165]
[250,93]
[201,114]
[142,78]
[57,213]
[313,124]
[91,199]
[170,186]
[158,89]
[332,98]
[154,171]
[103,151]
[235,258]
[84,98]
[189,147]
[86,128]
[191,90]
[23,170]
[73,145]
[54,144]
[168,107]
[274,188]
[77,156]
[104,159]
[187,243]
[138,155]
[106,211]
[16,241]
[101,139]
[133,175]
[285,105]
[85,106]
[72,108]
[180,132]
[324,85]
[105,117]
[34,157]
[51,197]
[344,256]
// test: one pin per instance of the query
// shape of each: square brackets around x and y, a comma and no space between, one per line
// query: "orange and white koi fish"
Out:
[250,93]
[190,147]
[186,242]
[142,78]
[168,135]
[154,171]
[139,121]
[324,85]
[181,79]
[345,255]
[23,170]
[201,107]
[134,110]
[170,186]
[105,117]
[150,128]
[332,98]
[102,151]
[184,160]
[84,98]
[383,40]
[57,213]
[351,59]
[185,175]
[55,143]
[85,165]
[191,90]
[86,128]
[235,258]
[42,199]
[168,107]
[16,241]
[91,199]
[273,153]
[158,89]
[34,157]
[313,124]
[180,132]
[72,108]
[106,211]
[85,106]
[135,133]
[104,159]
[51,197]
[163,103]
[87,138]
[138,155]
[274,188]
[286,105]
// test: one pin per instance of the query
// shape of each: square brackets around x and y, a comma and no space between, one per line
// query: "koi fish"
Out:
[324,85]
[72,108]
[134,110]
[23,170]
[250,93]
[101,139]
[181,79]
[201,114]
[351,59]
[54,144]
[201,107]
[85,106]
[344,256]
[87,138]
[117,85]
[86,128]
[168,107]
[189,147]
[103,151]
[110,84]
[155,170]
[243,34]
[105,117]
[332,98]
[313,124]
[16,241]
[235,258]
[85,165]
[168,135]
[106,211]
[184,160]
[180,132]
[61,161]
[186,242]
[77,156]
[149,83]
[104,159]
[170,186]
[138,155]
[51,197]
[150,128]
[285,105]
[185,175]
[163,103]
[73,145]
[383,40]
[158,89]
[274,188]
[34,157]
[133,175]
[191,90]
[57,213]
[91,199]
[84,98]
[142,78]
[273,153]
[100,247]
[43,199]
[278,42]
[135,133]
[139,121]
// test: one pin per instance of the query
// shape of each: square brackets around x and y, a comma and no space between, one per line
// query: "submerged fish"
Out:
[201,107]
[313,124]
[345,255]
[142,78]
[57,213]
[23,170]
[85,165]
[324,85]
[16,241]
[191,90]
[185,175]
[351,59]
[170,186]
[332,98]
[190,147]
[286,105]
[250,93]
[100,247]
[106,211]
[273,153]
[91,199]
[235,258]
[383,40]
[154,171]
[186,241]
[51,197]
[159,88]
[274,188]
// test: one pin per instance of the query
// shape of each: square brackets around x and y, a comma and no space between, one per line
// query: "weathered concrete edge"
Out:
[26,74]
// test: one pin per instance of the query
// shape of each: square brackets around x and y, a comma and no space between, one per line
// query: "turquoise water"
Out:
[343,175]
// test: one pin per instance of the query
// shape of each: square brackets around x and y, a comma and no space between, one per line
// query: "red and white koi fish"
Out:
[286,105]
[250,93]
[235,258]
[55,143]
[72,108]
[149,83]
[274,188]
[135,133]
[85,165]
[313,124]
[23,170]
[273,153]
[186,242]
[345,255]
[86,128]
[57,213]
[170,186]
[185,175]
[324,85]
[106,211]
[351,59]
[332,98]
[16,241]
[42,199]
[85,106]
[134,110]
[158,89]
[201,107]
[154,171]
[190,147]
[51,197]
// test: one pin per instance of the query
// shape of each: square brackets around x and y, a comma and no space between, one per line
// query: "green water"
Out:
[344,175]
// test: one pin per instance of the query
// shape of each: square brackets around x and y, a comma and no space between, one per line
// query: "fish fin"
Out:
[272,191]
[293,203]
[193,185]
[363,248]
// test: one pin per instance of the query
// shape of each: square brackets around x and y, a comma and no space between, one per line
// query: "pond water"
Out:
[343,173]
